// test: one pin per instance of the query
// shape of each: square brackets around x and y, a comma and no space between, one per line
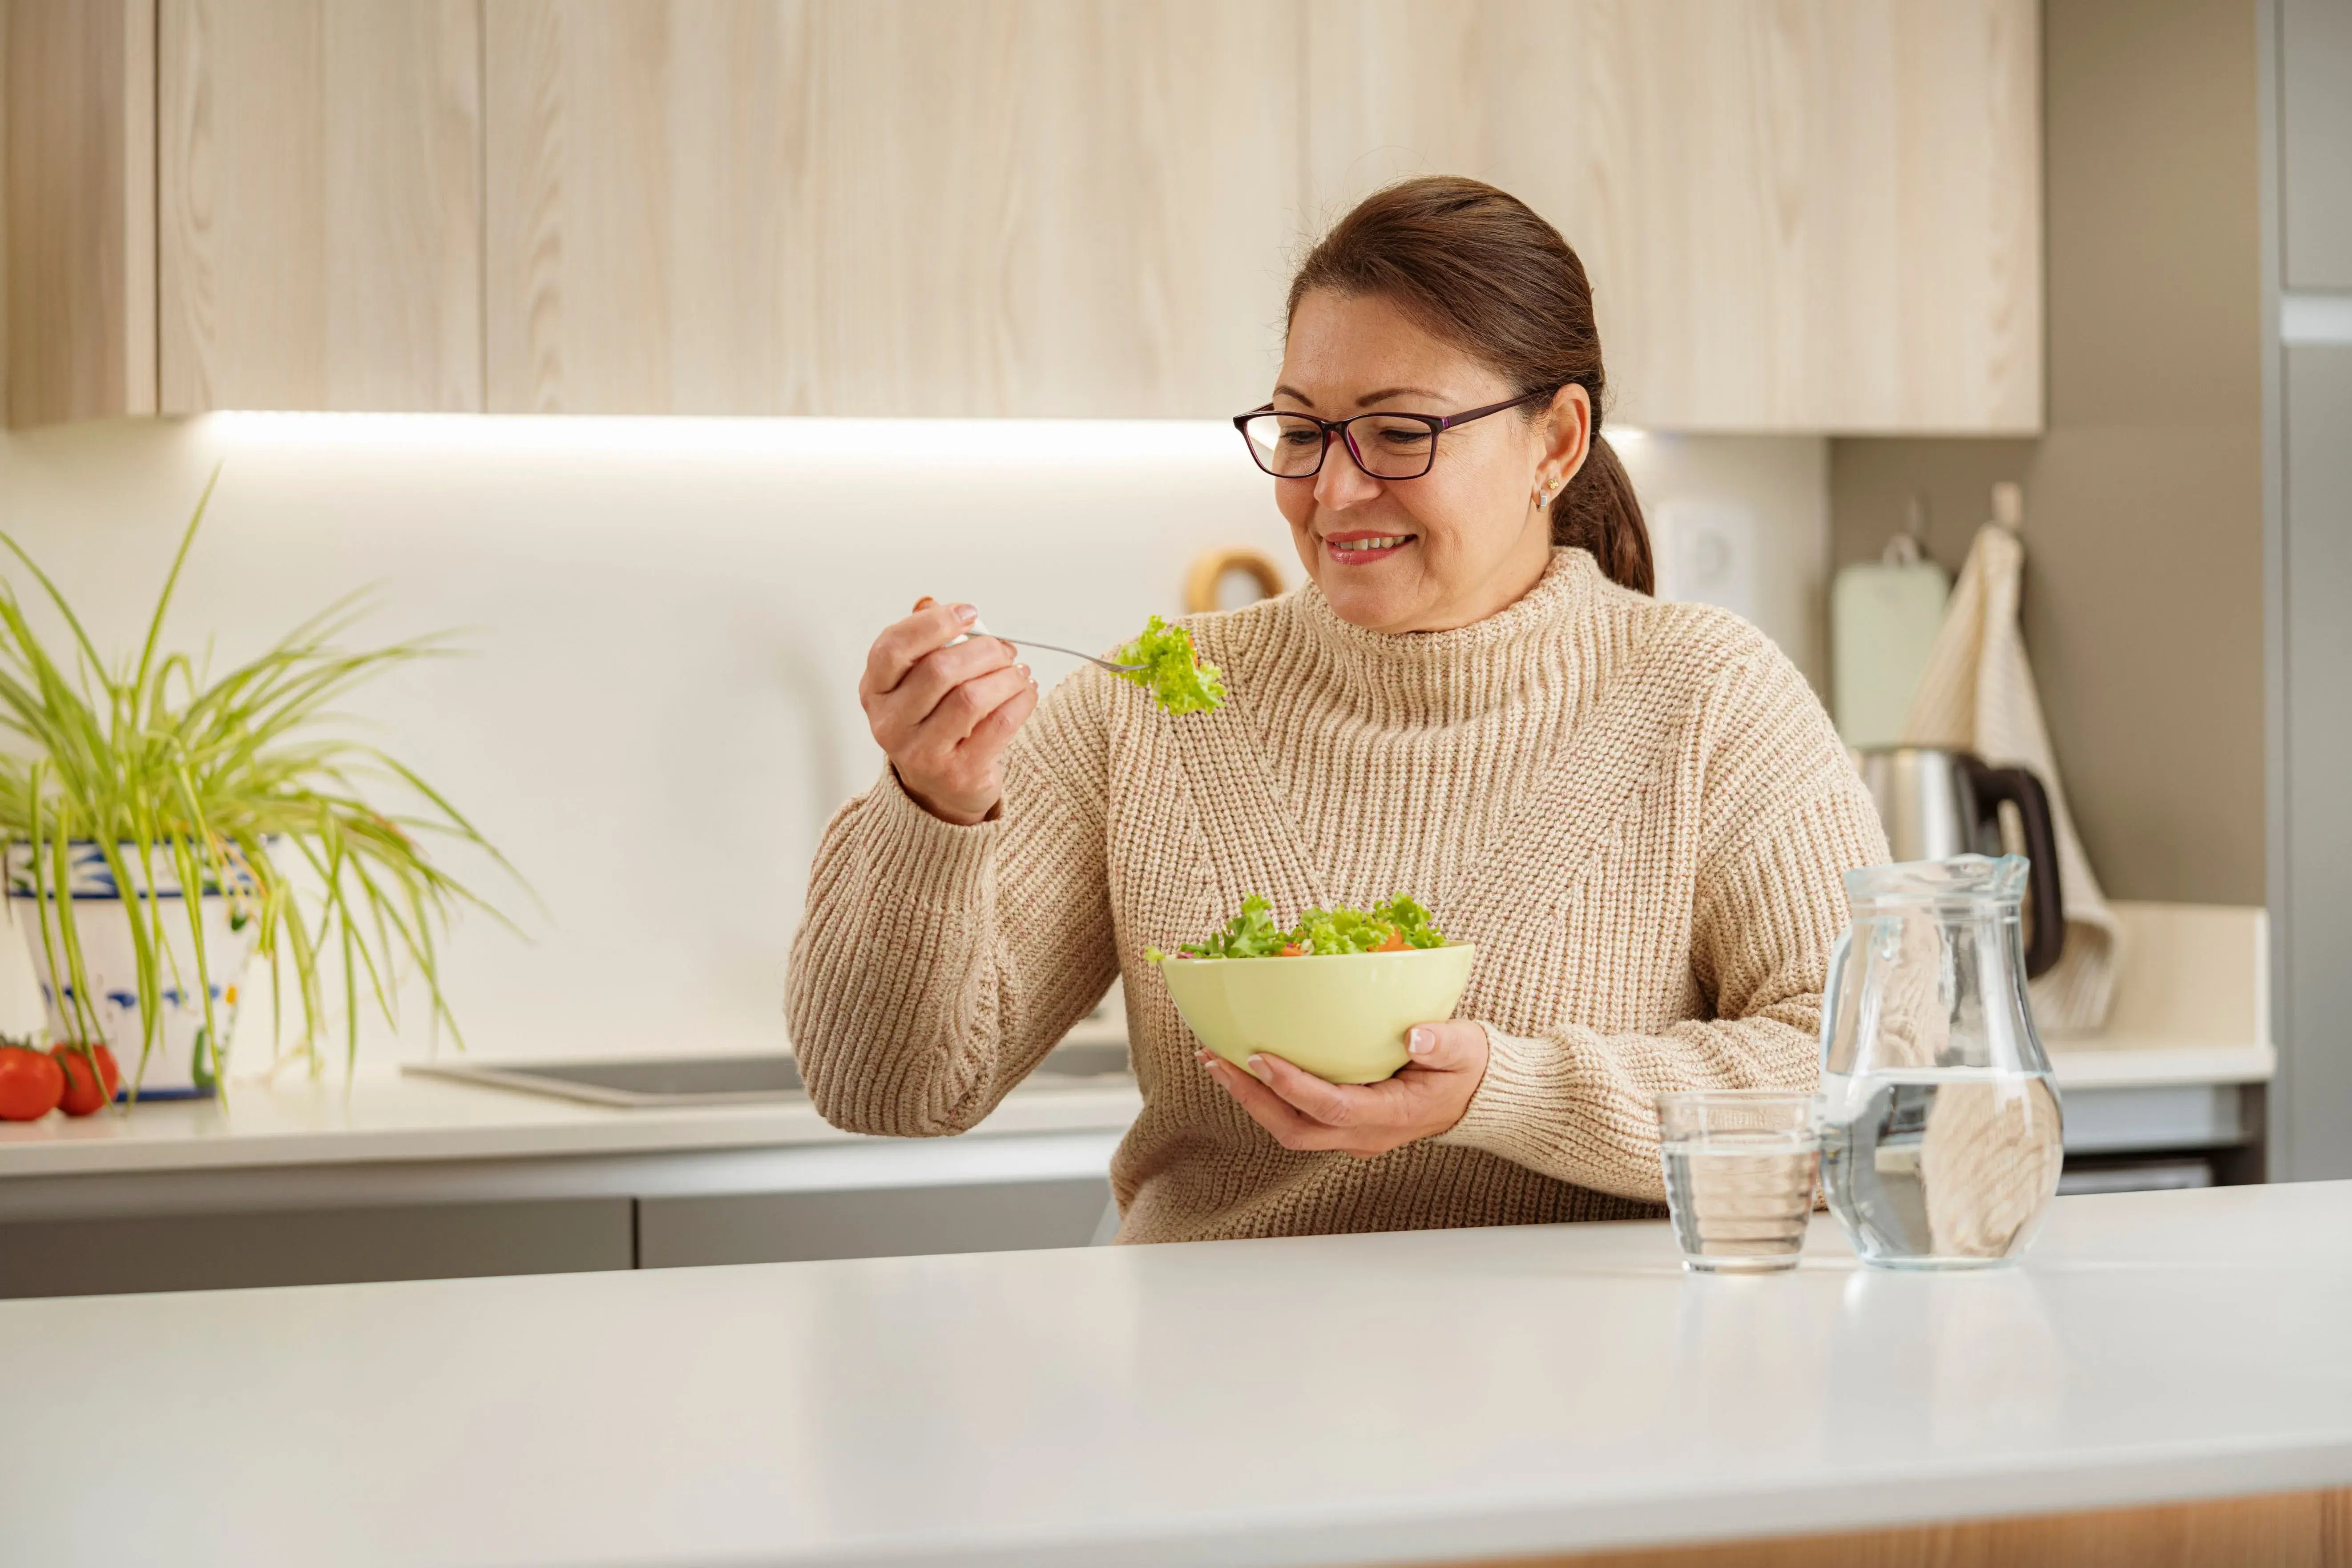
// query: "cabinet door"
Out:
[77,209]
[319,180]
[888,206]
[868,1222]
[1813,217]
[110,1255]
[2313,1099]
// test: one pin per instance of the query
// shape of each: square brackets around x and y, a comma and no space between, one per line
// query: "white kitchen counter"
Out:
[382,1139]
[1419,1396]
[2124,1062]
[380,1116]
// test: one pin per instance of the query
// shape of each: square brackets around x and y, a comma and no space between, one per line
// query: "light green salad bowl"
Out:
[1343,1017]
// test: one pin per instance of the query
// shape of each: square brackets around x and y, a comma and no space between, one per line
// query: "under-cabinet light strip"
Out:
[975,443]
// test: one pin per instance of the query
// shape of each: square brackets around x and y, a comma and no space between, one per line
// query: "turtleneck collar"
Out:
[1452,676]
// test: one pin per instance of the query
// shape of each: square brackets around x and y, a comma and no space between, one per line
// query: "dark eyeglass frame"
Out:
[1438,424]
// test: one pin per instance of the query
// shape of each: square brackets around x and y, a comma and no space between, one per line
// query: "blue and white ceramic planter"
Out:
[184,1063]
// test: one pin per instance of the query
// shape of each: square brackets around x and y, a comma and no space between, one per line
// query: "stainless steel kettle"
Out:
[1937,803]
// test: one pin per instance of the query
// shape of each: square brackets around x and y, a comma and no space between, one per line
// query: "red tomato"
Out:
[83,1094]
[30,1084]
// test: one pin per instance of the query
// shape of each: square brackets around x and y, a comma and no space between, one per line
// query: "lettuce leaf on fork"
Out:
[1172,671]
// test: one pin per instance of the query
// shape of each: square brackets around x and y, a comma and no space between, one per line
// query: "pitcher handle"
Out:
[1831,985]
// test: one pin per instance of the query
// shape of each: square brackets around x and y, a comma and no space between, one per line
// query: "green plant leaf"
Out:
[229,783]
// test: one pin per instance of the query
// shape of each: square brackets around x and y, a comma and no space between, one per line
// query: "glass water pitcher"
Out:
[1939,1115]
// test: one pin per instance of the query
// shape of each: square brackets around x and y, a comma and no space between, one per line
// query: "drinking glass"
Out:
[1739,1175]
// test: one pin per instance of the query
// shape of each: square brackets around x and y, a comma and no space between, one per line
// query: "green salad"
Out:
[1172,672]
[1396,925]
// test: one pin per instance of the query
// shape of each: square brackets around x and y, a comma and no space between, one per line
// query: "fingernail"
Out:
[967,614]
[1257,1066]
[1022,668]
[1010,651]
[1420,1042]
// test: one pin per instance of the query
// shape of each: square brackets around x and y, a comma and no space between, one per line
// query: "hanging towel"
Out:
[1977,695]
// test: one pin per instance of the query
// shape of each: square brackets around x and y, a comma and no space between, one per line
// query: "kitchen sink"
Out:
[647,1081]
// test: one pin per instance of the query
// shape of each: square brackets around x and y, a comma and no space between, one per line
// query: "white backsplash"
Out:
[668,619]
[1743,521]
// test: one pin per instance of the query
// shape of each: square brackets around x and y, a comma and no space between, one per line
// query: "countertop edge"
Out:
[548,1128]
[1476,1531]
[596,1132]
[2149,1064]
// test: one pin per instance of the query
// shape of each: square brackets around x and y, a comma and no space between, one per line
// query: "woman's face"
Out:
[1464,540]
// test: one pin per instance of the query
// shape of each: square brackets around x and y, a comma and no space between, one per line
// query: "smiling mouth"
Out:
[1361,549]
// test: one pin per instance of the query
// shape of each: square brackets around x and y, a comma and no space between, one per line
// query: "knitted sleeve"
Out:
[934,964]
[1787,817]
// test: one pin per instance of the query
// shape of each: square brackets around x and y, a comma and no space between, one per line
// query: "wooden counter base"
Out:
[2289,1530]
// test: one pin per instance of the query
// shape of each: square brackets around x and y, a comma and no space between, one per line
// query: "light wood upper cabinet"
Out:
[892,207]
[78,213]
[1804,216]
[1807,217]
[1837,210]
[1811,217]
[319,200]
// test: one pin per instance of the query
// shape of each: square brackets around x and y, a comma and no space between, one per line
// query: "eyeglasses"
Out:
[1385,446]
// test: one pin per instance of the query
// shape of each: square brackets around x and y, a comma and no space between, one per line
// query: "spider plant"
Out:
[243,785]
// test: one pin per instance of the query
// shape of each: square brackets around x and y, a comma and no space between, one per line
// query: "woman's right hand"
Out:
[945,715]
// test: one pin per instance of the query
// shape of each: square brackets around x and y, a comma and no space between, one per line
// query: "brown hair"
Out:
[1478,267]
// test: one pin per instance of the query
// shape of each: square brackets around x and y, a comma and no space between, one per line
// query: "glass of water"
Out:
[1739,1175]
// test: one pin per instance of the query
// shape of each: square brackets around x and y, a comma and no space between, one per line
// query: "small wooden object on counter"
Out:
[1210,571]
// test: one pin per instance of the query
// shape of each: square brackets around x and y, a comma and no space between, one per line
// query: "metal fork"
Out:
[1054,647]
[1074,653]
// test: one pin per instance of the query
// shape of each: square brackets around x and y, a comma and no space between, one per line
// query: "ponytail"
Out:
[1599,511]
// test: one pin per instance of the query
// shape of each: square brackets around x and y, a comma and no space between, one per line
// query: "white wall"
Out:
[667,619]
[1768,497]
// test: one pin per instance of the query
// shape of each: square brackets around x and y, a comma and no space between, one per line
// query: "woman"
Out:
[1637,810]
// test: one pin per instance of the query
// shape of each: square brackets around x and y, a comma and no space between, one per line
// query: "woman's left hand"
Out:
[1426,1097]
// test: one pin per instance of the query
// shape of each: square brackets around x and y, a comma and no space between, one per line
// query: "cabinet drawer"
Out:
[311,1247]
[873,1222]
[2156,1116]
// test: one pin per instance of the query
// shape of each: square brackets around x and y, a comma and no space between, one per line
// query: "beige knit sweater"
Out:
[1637,810]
